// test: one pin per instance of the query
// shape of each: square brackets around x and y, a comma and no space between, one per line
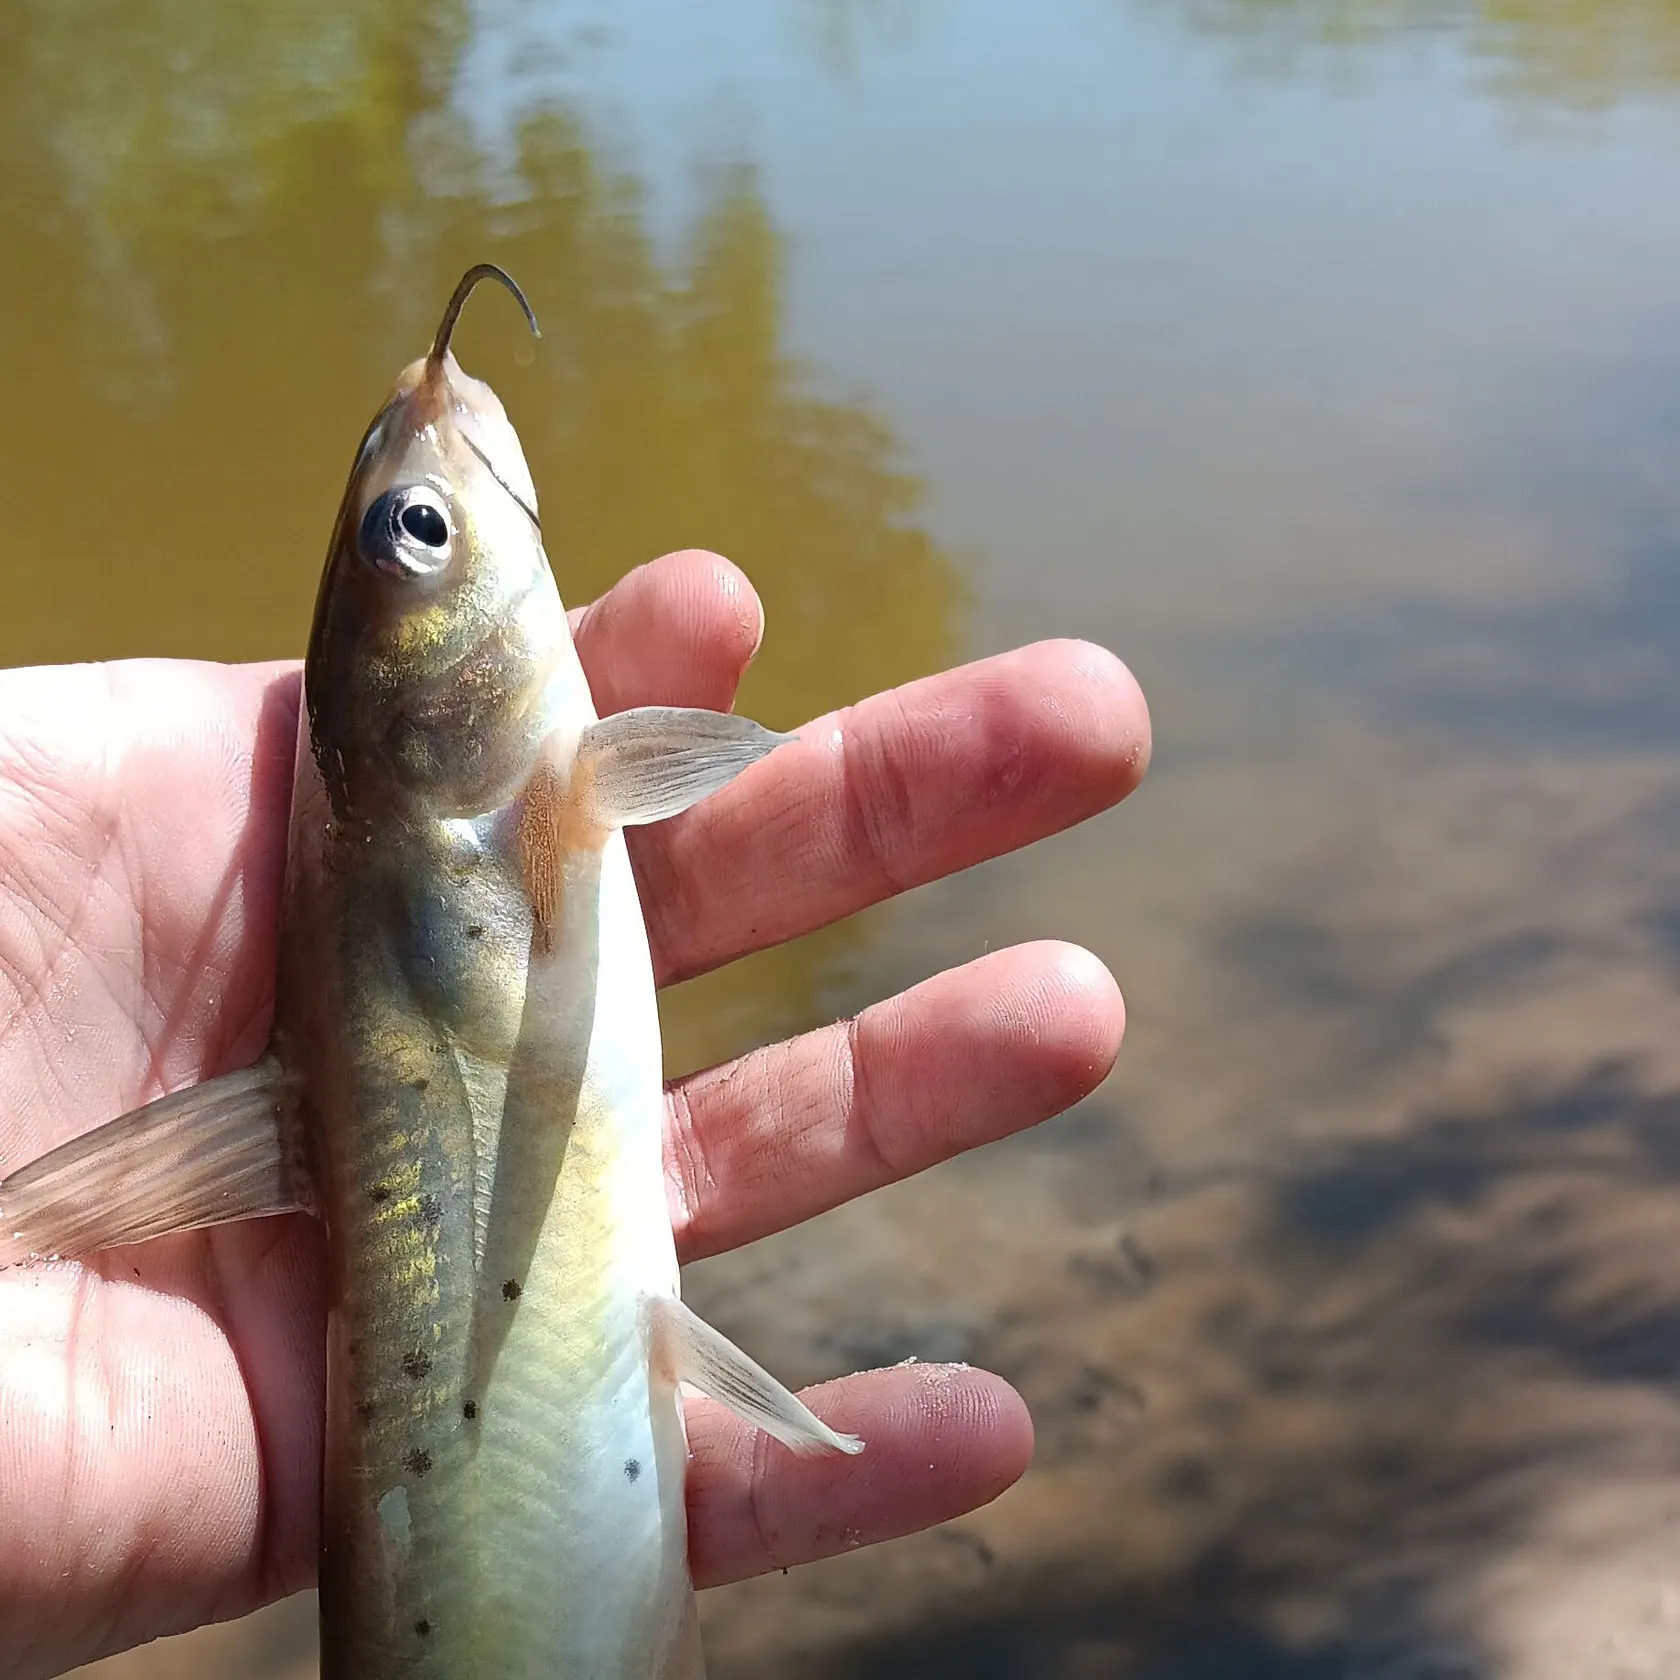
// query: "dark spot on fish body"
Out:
[470,1410]
[366,1411]
[416,1364]
[431,1212]
[423,1628]
[632,1469]
[511,1290]
[418,1462]
[379,1194]
[422,1084]
[475,931]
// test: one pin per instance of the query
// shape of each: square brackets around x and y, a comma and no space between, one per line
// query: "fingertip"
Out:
[1051,1020]
[938,1441]
[996,1418]
[679,630]
[724,594]
[716,599]
[1115,709]
[1036,740]
[1081,1015]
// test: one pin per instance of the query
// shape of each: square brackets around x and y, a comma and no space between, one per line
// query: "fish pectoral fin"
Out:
[212,1153]
[693,1352]
[647,764]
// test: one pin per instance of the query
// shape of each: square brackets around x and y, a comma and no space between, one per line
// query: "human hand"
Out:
[160,1405]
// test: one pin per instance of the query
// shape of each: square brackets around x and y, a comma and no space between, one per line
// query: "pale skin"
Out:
[160,1407]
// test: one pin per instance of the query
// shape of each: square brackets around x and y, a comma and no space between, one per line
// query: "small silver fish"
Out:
[464,1083]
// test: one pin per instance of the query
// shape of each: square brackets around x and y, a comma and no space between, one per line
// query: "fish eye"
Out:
[407,531]
[425,523]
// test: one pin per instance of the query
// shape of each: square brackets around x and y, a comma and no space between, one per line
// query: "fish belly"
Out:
[581,1454]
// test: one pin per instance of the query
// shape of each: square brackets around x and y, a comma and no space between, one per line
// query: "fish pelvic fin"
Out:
[691,1351]
[652,762]
[215,1152]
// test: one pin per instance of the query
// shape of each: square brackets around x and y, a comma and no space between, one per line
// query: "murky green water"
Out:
[1320,356]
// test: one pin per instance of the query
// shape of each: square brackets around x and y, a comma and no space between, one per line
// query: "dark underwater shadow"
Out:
[1422,1346]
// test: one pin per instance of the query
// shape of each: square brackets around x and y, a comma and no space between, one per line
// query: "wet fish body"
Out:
[464,1083]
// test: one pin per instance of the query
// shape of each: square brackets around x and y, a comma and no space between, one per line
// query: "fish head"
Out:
[438,627]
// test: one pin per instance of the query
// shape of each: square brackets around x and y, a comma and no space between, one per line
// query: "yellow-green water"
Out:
[1320,356]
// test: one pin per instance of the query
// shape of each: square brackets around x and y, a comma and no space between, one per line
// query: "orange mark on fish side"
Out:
[555,818]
